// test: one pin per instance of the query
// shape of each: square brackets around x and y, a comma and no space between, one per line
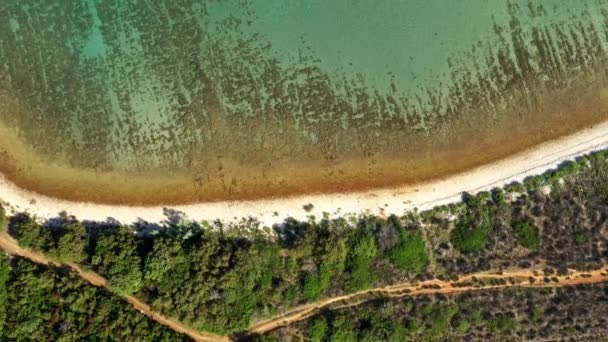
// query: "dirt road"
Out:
[472,282]
[8,244]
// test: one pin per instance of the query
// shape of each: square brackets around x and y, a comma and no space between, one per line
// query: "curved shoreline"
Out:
[381,201]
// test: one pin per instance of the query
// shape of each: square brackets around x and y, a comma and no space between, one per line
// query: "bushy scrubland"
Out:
[576,313]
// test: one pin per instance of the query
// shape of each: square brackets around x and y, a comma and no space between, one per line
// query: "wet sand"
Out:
[384,201]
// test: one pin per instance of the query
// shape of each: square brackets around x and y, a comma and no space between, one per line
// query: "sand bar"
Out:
[382,201]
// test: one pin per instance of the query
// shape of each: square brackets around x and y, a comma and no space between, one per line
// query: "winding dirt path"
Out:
[9,245]
[472,282]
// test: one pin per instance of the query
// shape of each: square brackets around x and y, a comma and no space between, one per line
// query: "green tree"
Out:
[72,243]
[31,235]
[167,266]
[50,304]
[116,257]
[5,276]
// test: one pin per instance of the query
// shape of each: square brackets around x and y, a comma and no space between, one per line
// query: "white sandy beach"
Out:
[382,201]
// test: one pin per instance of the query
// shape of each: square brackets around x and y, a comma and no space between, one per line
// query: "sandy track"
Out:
[424,288]
[8,244]
[382,201]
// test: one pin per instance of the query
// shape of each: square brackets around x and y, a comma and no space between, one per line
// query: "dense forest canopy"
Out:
[39,303]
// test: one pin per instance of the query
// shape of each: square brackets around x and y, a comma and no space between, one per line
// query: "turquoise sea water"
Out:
[143,86]
[409,41]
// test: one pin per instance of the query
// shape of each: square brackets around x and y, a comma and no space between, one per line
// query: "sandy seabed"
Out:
[380,202]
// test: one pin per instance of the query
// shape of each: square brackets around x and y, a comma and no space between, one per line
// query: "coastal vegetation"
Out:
[39,303]
[227,276]
[221,278]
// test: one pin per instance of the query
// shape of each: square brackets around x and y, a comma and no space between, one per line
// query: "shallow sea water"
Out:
[172,102]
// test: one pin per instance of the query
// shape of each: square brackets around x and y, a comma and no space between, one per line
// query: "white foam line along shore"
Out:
[382,202]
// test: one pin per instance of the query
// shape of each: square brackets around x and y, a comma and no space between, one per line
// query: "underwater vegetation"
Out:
[142,102]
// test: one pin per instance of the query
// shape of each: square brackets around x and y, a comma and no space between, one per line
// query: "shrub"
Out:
[463,326]
[438,320]
[360,276]
[344,330]
[3,220]
[580,238]
[515,187]
[498,196]
[502,324]
[469,238]
[527,235]
[533,182]
[410,254]
[315,284]
[361,251]
[318,329]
